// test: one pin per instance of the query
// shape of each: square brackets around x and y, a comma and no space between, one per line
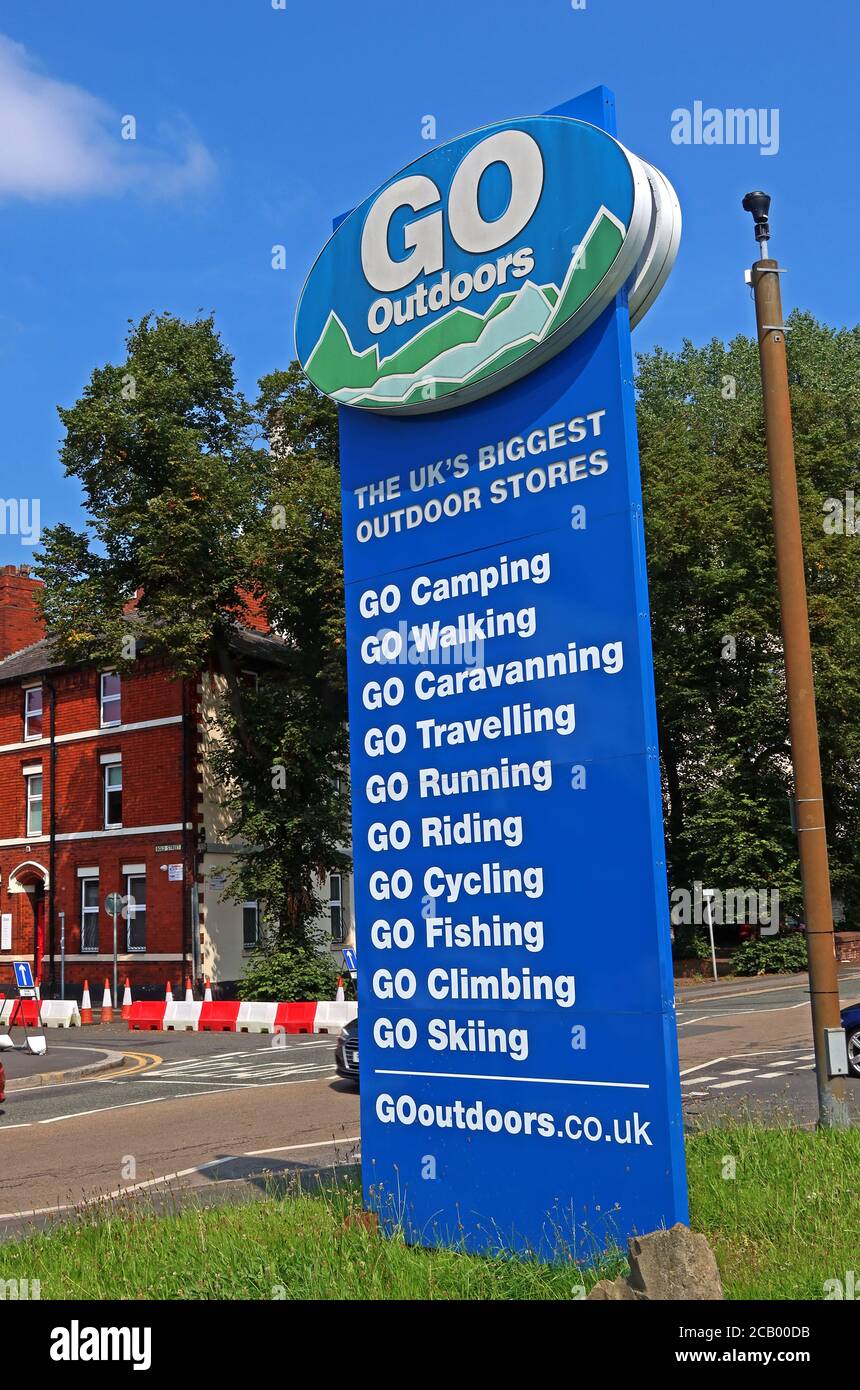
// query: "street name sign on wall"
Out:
[519,1074]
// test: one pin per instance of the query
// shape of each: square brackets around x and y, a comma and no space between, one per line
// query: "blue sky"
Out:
[255,124]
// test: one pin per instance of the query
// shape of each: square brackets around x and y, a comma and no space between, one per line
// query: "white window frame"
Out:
[109,700]
[139,950]
[107,768]
[254,903]
[28,715]
[30,776]
[337,899]
[89,911]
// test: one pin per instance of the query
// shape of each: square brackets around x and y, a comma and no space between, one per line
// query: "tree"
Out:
[289,795]
[190,515]
[715,608]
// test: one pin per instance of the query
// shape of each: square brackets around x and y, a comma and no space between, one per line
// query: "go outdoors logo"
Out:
[480,261]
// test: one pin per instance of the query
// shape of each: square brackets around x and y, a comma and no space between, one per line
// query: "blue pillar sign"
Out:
[519,1074]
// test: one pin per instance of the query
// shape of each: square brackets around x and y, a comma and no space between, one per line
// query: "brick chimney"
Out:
[252,613]
[20,622]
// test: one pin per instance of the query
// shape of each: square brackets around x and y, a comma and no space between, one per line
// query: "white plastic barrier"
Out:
[256,1018]
[331,1017]
[60,1013]
[182,1015]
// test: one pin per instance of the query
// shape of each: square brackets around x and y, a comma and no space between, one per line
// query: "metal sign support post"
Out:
[799,683]
[114,915]
[708,895]
[115,905]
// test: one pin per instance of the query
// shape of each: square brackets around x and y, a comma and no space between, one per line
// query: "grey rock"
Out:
[665,1265]
[614,1291]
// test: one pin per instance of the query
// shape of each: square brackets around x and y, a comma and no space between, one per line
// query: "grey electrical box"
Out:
[837,1052]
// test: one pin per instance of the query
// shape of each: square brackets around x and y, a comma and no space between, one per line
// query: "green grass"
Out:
[790,1217]
[295,1247]
[782,1225]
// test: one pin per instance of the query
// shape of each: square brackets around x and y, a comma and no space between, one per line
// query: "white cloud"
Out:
[57,140]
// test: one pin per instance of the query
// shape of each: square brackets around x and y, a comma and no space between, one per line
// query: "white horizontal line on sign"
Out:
[545,1080]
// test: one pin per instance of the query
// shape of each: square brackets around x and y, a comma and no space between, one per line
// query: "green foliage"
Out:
[286,790]
[772,955]
[290,973]
[163,448]
[195,500]
[723,722]
[689,944]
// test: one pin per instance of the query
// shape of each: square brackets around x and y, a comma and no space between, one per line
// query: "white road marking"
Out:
[737,1013]
[238,1083]
[293,1148]
[167,1100]
[767,989]
[171,1177]
[745,1057]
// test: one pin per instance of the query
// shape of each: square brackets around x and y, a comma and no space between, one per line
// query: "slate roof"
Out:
[39,659]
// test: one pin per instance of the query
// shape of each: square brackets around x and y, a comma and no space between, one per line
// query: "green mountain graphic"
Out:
[463,347]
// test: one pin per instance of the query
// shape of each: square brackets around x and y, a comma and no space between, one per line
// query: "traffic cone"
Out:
[126,999]
[340,996]
[86,1004]
[107,1006]
[168,993]
[189,992]
[207,993]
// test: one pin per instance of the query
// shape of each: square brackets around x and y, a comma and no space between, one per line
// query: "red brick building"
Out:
[105,788]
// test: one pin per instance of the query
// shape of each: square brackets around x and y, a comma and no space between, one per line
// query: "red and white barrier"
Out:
[226,1016]
[330,1018]
[256,1018]
[181,1016]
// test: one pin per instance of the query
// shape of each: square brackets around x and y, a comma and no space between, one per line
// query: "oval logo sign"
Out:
[480,261]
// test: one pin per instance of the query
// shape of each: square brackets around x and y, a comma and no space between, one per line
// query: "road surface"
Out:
[189,1110]
[221,1112]
[746,1047]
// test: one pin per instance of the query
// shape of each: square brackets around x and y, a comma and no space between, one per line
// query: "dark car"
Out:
[851,1024]
[346,1053]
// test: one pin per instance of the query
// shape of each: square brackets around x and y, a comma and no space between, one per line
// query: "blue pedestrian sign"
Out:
[23,974]
[519,1070]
